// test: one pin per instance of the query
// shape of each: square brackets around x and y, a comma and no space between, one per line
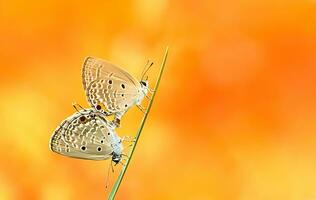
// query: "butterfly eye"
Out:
[99,149]
[123,86]
[98,107]
[110,81]
[143,83]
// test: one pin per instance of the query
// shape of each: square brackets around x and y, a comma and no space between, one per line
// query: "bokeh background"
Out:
[234,118]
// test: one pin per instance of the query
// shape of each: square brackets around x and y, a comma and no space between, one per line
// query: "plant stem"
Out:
[122,173]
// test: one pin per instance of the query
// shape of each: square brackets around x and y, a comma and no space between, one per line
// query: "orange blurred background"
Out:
[234,117]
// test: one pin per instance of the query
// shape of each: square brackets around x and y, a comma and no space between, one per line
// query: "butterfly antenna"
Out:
[123,164]
[112,167]
[108,177]
[127,147]
[146,69]
[125,157]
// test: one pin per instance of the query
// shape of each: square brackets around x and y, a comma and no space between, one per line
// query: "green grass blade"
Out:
[122,173]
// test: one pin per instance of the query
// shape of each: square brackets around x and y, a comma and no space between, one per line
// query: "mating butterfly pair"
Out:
[87,134]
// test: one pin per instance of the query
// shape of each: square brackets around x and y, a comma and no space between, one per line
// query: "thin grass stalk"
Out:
[122,173]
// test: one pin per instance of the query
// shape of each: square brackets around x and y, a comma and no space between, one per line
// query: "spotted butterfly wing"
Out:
[108,87]
[86,135]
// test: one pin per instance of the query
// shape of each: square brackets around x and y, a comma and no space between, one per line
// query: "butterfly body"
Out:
[110,89]
[87,135]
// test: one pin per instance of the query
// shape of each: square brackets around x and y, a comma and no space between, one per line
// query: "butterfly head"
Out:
[116,158]
[144,83]
[143,91]
[144,86]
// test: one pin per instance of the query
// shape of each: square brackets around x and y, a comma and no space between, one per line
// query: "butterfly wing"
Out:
[84,135]
[109,86]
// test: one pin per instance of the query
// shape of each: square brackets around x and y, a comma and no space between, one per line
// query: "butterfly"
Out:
[110,89]
[87,134]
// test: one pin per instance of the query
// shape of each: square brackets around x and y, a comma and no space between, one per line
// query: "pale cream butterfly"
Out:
[87,135]
[110,89]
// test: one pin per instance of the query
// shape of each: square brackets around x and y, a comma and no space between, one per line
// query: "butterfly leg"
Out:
[128,139]
[122,163]
[151,91]
[117,119]
[142,109]
[147,97]
[117,122]
[126,156]
[124,159]
[127,147]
